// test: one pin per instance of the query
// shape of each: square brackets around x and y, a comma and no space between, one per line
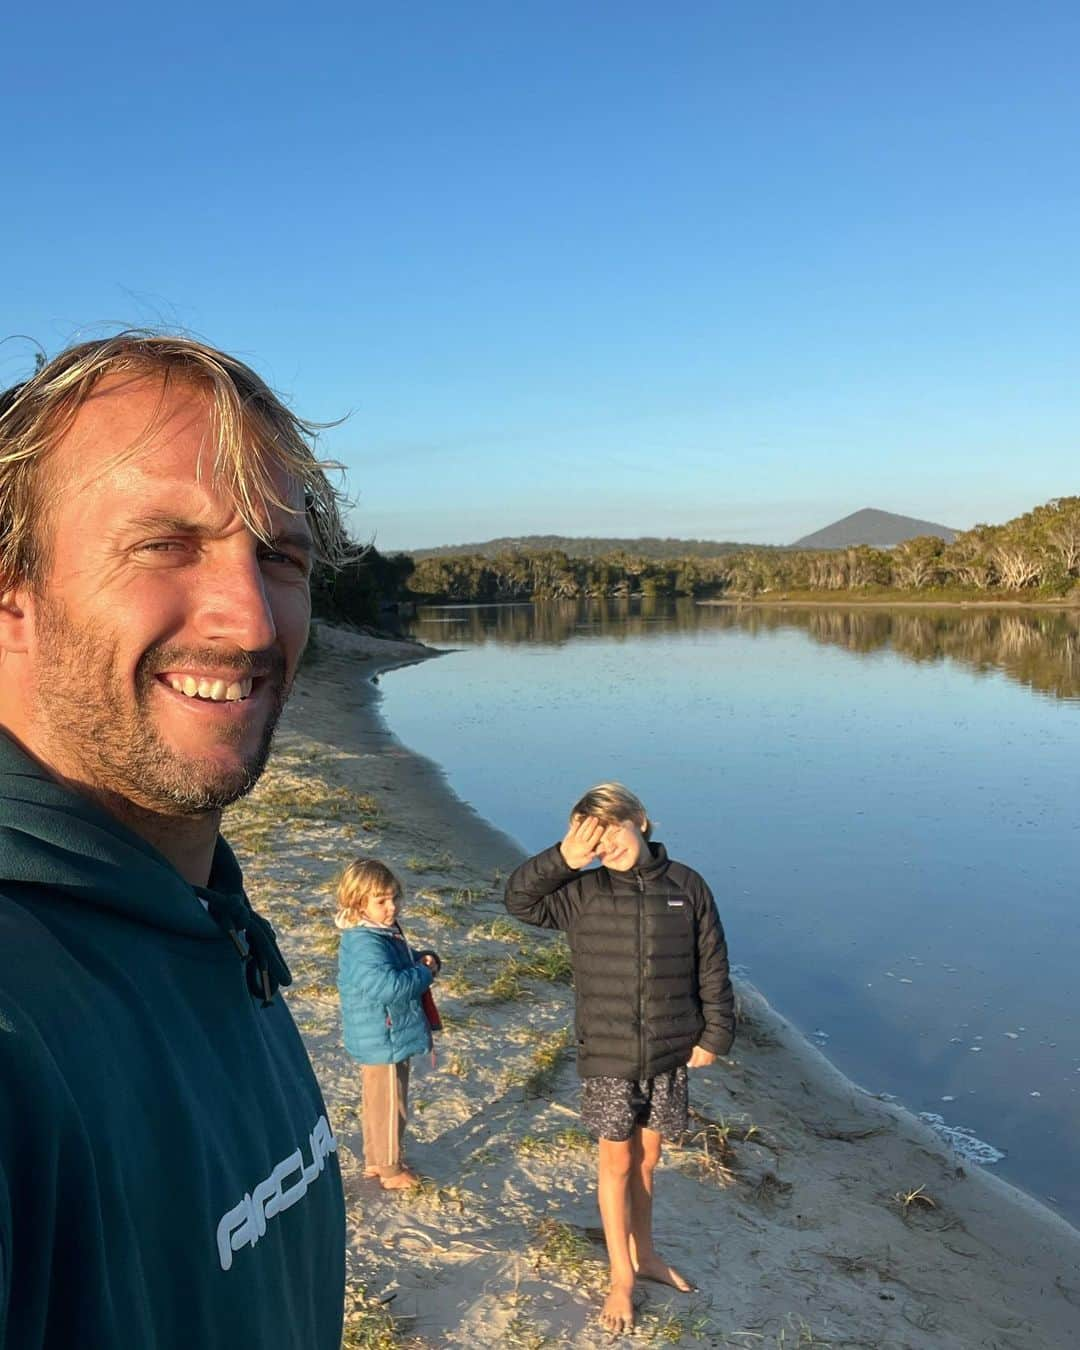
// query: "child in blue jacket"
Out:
[382,982]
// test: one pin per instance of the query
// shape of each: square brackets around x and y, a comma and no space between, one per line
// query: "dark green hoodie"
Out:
[168,1177]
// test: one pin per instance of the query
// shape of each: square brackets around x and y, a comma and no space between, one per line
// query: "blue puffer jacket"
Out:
[380,983]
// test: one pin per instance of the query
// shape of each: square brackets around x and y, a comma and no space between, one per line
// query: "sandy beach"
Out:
[807,1212]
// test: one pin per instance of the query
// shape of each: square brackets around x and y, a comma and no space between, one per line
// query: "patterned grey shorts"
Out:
[612,1107]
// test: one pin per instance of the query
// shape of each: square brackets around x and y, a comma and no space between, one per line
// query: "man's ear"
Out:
[13,620]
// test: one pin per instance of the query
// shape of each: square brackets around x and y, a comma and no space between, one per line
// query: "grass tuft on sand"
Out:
[565,1250]
[369,1323]
[573,1139]
[543,1064]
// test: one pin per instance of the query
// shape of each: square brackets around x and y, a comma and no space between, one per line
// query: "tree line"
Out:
[361,591]
[587,546]
[1038,552]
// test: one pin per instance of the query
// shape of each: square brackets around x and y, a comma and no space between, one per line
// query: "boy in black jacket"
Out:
[653,998]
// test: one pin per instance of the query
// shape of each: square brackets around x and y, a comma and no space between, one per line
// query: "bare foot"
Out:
[401,1181]
[657,1270]
[617,1314]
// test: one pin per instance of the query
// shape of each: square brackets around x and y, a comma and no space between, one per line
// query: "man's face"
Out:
[165,635]
[623,846]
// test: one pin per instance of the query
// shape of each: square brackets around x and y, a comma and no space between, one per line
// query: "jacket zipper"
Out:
[400,935]
[641,974]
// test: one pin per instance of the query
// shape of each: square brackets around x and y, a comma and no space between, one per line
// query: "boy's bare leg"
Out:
[613,1192]
[645,1154]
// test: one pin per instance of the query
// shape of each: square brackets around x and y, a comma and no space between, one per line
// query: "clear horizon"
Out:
[710,273]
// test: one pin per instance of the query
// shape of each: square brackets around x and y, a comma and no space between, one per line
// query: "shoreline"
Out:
[1066,605]
[800,1204]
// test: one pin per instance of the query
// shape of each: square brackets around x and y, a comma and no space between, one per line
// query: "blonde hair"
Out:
[613,804]
[252,434]
[362,879]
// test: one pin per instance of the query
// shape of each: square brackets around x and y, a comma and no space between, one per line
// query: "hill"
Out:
[1038,553]
[879,529]
[587,547]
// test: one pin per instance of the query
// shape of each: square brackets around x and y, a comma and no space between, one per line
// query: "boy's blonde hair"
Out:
[360,881]
[613,804]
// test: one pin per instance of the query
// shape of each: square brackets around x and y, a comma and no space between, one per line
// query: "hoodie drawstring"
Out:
[264,966]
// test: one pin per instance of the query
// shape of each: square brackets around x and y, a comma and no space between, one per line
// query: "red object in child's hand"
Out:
[427,1002]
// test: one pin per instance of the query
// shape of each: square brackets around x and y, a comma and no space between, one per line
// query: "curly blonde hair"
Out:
[252,434]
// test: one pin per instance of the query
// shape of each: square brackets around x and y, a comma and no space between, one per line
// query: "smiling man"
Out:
[167,1173]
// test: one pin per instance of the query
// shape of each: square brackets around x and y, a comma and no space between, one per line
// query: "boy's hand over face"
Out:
[581,842]
[700,1058]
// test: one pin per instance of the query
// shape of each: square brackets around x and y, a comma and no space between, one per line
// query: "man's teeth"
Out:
[215,690]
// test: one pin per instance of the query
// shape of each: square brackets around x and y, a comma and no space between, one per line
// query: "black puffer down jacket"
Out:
[650,960]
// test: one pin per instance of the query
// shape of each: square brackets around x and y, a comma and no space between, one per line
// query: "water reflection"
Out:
[1036,648]
[885,813]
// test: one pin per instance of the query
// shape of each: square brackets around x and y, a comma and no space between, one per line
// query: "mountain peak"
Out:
[879,529]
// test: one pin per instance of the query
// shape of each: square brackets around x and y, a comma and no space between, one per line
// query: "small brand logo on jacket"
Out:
[675,904]
[245,1223]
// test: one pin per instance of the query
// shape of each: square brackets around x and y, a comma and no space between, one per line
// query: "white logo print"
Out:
[245,1223]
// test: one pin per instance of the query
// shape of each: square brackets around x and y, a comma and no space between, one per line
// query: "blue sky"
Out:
[702,269]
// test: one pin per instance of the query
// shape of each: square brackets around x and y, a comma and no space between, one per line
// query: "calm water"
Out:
[883,802]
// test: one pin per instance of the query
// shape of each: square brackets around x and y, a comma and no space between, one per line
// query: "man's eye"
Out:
[280,559]
[273,555]
[161,546]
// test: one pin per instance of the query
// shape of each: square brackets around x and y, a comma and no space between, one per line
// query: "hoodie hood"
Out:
[53,838]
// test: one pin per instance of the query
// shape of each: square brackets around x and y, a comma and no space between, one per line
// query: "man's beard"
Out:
[92,724]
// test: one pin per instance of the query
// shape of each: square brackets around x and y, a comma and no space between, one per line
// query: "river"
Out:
[883,801]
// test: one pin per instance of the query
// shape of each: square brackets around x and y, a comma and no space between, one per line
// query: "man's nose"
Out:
[234,604]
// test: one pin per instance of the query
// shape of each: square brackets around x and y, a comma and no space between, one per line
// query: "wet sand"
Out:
[807,1212]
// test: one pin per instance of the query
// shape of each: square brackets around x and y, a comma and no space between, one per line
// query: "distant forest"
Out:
[1037,553]
[645,547]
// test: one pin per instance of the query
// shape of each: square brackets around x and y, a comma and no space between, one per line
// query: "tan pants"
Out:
[385,1090]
